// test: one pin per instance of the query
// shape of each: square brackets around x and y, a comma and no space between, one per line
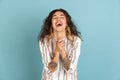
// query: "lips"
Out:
[58,24]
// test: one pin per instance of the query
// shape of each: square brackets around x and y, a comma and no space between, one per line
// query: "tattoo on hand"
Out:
[66,63]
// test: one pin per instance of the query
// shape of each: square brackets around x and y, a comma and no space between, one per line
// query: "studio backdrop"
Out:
[97,20]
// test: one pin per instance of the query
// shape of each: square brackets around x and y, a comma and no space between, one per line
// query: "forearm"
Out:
[66,63]
[55,57]
[65,60]
[54,61]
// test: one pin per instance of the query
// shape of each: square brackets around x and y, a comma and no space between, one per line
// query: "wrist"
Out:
[63,55]
[56,57]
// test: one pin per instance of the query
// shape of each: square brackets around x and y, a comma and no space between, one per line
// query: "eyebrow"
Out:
[60,15]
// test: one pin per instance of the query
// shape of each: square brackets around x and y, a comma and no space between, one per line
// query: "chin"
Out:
[59,30]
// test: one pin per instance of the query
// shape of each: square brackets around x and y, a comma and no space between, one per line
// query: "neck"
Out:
[59,35]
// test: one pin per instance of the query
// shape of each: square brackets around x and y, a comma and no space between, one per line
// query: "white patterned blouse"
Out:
[73,53]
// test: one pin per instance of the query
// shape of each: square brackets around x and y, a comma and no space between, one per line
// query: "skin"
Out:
[59,24]
[59,31]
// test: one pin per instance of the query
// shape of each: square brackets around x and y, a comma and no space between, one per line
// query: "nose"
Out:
[58,18]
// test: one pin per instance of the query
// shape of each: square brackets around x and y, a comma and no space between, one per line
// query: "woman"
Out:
[59,43]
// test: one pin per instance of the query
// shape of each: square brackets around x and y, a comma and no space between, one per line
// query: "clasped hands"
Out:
[59,51]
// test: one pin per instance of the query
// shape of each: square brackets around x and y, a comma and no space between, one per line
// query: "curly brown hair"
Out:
[46,29]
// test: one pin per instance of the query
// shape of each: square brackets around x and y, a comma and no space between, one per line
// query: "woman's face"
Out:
[59,21]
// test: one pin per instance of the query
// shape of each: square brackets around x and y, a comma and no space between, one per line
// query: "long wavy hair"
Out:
[47,30]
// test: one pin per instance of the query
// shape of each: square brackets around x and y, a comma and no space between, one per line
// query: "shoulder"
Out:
[77,39]
[44,41]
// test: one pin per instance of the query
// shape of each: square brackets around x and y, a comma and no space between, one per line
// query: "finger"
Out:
[60,41]
[62,44]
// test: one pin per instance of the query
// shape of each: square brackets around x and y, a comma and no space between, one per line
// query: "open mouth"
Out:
[59,24]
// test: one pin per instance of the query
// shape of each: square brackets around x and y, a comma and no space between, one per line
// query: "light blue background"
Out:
[98,21]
